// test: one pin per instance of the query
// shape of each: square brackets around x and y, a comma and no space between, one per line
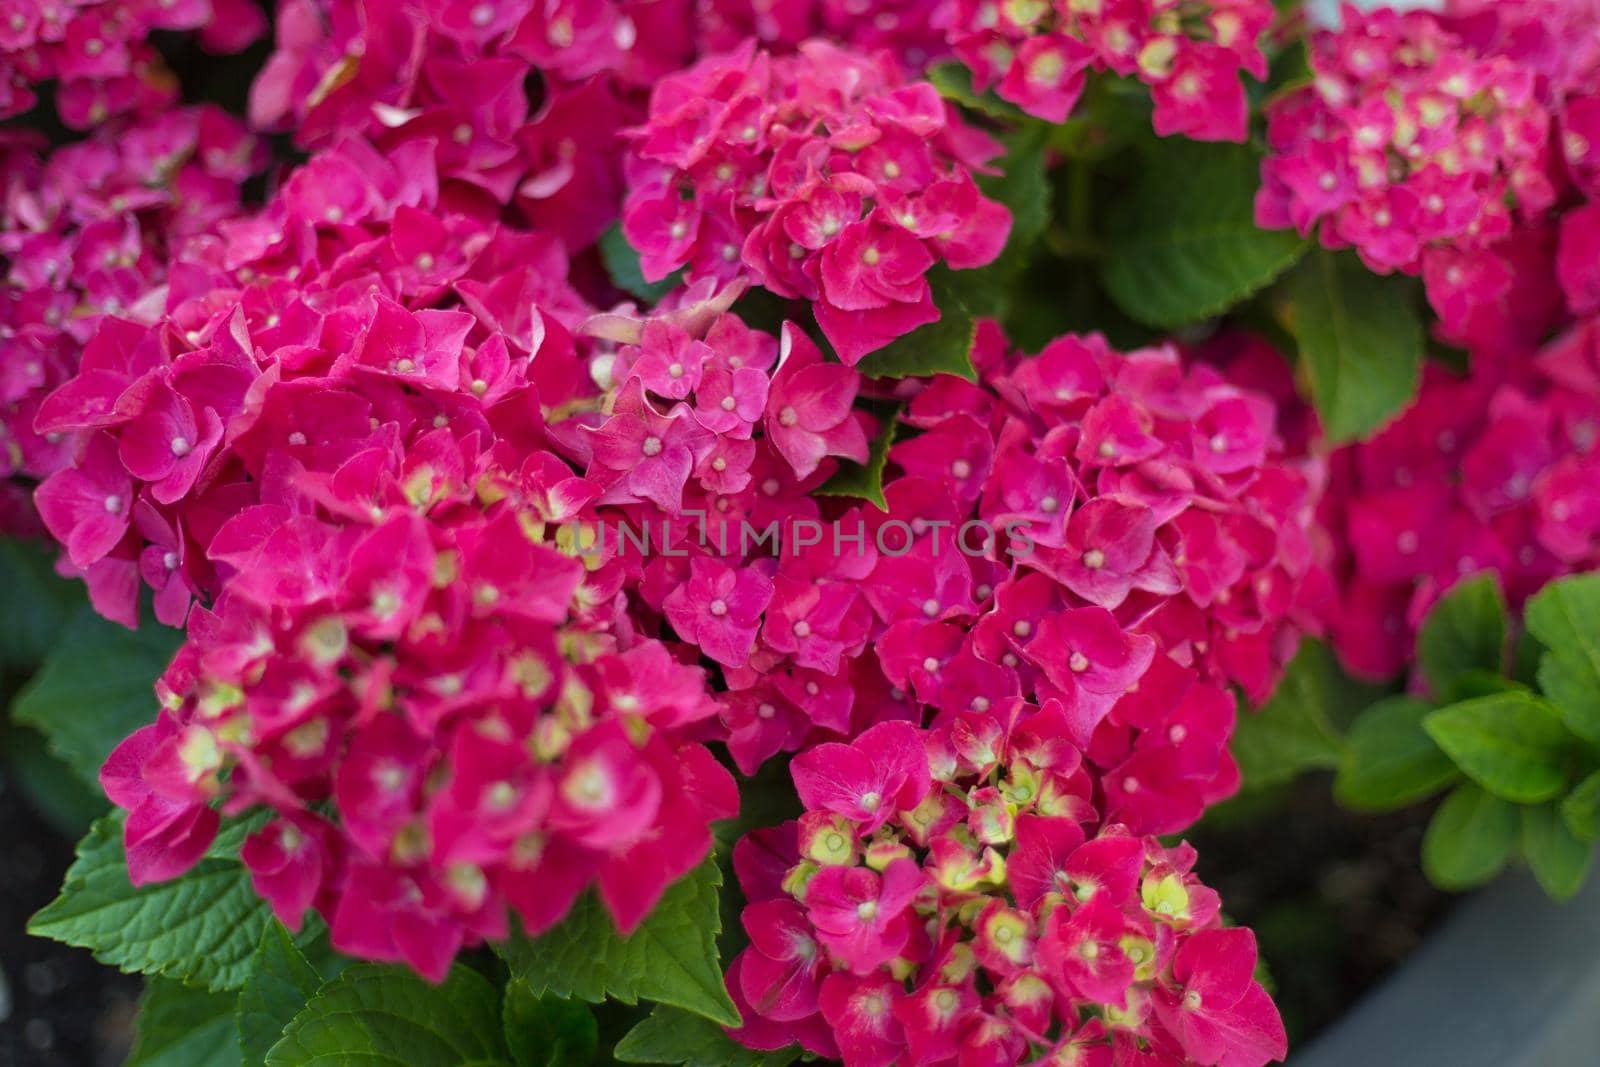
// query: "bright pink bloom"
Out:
[881,773]
[87,507]
[719,609]
[861,1013]
[905,920]
[1474,477]
[860,916]
[652,453]
[1216,1009]
[824,175]
[809,414]
[1036,56]
[1391,152]
[782,969]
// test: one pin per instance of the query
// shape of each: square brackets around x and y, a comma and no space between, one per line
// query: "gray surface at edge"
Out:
[1510,980]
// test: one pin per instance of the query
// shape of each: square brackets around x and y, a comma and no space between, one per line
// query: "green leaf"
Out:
[36,606]
[95,688]
[1389,759]
[963,297]
[1471,684]
[281,982]
[202,928]
[1581,808]
[53,789]
[622,264]
[1560,861]
[1183,245]
[1024,188]
[387,1015]
[548,1031]
[1293,731]
[184,1027]
[1469,838]
[942,347]
[1360,339]
[672,1036]
[866,481]
[1526,652]
[1513,744]
[1570,684]
[670,958]
[954,82]
[1563,616]
[1465,631]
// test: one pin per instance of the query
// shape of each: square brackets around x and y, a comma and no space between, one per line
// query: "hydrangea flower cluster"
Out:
[1555,43]
[1477,475]
[88,230]
[472,703]
[366,442]
[824,175]
[98,53]
[1117,537]
[1190,53]
[457,72]
[912,29]
[1488,471]
[336,436]
[956,893]
[711,408]
[1414,149]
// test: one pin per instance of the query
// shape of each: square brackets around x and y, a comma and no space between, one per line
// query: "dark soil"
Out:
[1336,899]
[58,1007]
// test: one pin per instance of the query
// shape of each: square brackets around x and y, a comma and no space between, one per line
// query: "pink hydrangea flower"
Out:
[98,52]
[1409,145]
[1487,473]
[405,653]
[1037,55]
[823,175]
[910,28]
[925,937]
[89,231]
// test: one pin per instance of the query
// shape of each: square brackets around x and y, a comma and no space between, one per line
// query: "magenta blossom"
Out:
[824,175]
[987,919]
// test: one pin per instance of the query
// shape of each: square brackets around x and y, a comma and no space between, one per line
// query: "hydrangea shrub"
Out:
[785,512]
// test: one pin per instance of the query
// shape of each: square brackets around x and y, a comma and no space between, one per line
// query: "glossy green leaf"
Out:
[942,347]
[865,481]
[548,1031]
[954,82]
[202,928]
[280,984]
[1183,245]
[1469,838]
[35,606]
[1581,808]
[1565,617]
[676,1037]
[1360,340]
[1465,631]
[1513,744]
[388,1016]
[183,1027]
[53,789]
[1293,732]
[95,688]
[670,958]
[1389,760]
[1024,188]
[622,264]
[1559,860]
